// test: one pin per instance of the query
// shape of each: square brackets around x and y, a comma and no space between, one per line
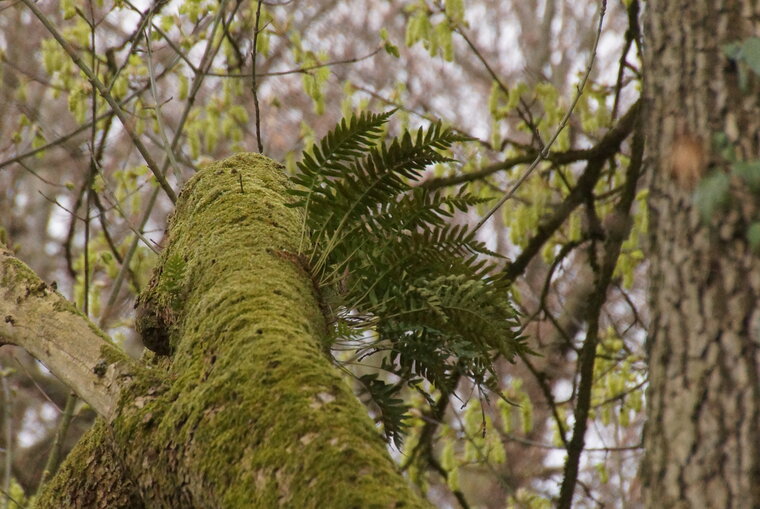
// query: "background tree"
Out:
[703,397]
[182,75]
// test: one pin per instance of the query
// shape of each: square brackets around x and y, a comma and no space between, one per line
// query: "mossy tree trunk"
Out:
[702,438]
[246,409]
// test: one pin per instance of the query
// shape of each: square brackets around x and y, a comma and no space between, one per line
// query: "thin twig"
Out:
[40,177]
[7,494]
[298,70]
[254,85]
[500,476]
[55,453]
[606,147]
[544,153]
[37,385]
[633,34]
[199,75]
[523,109]
[82,128]
[173,46]
[168,150]
[8,422]
[63,426]
[533,443]
[134,38]
[483,60]
[95,81]
[114,203]
[400,106]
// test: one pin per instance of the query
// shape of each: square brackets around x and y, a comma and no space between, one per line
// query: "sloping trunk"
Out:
[247,411]
[703,435]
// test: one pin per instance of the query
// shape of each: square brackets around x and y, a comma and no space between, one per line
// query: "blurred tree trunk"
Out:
[247,411]
[703,434]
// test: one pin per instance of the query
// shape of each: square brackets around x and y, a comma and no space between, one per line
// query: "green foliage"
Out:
[749,173]
[617,397]
[715,192]
[388,46]
[172,278]
[392,409]
[631,254]
[746,54]
[712,194]
[17,499]
[524,498]
[455,10]
[753,236]
[435,37]
[410,285]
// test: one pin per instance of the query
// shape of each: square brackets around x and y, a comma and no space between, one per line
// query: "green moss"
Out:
[256,415]
[18,273]
[105,484]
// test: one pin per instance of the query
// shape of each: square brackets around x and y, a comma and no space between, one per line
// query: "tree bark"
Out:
[247,410]
[702,438]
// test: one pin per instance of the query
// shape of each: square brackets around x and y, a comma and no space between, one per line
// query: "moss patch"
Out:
[256,415]
[104,485]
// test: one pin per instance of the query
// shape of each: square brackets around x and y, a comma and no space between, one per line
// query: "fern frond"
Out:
[420,351]
[172,278]
[380,177]
[467,308]
[420,208]
[392,410]
[346,141]
[397,270]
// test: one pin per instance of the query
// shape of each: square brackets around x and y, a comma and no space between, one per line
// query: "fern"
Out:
[392,411]
[172,278]
[347,140]
[396,270]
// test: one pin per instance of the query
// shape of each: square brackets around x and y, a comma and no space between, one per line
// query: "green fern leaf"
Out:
[392,410]
[348,140]
[380,177]
[397,270]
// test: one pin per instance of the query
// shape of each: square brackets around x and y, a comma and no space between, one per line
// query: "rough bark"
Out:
[247,411]
[703,434]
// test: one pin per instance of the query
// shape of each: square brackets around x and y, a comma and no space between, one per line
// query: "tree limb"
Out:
[606,147]
[587,357]
[596,156]
[40,320]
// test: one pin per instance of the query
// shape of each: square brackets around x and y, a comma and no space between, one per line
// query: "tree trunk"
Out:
[702,439]
[247,410]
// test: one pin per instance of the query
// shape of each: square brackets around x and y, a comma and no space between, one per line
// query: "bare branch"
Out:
[254,87]
[37,318]
[606,147]
[587,357]
[168,149]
